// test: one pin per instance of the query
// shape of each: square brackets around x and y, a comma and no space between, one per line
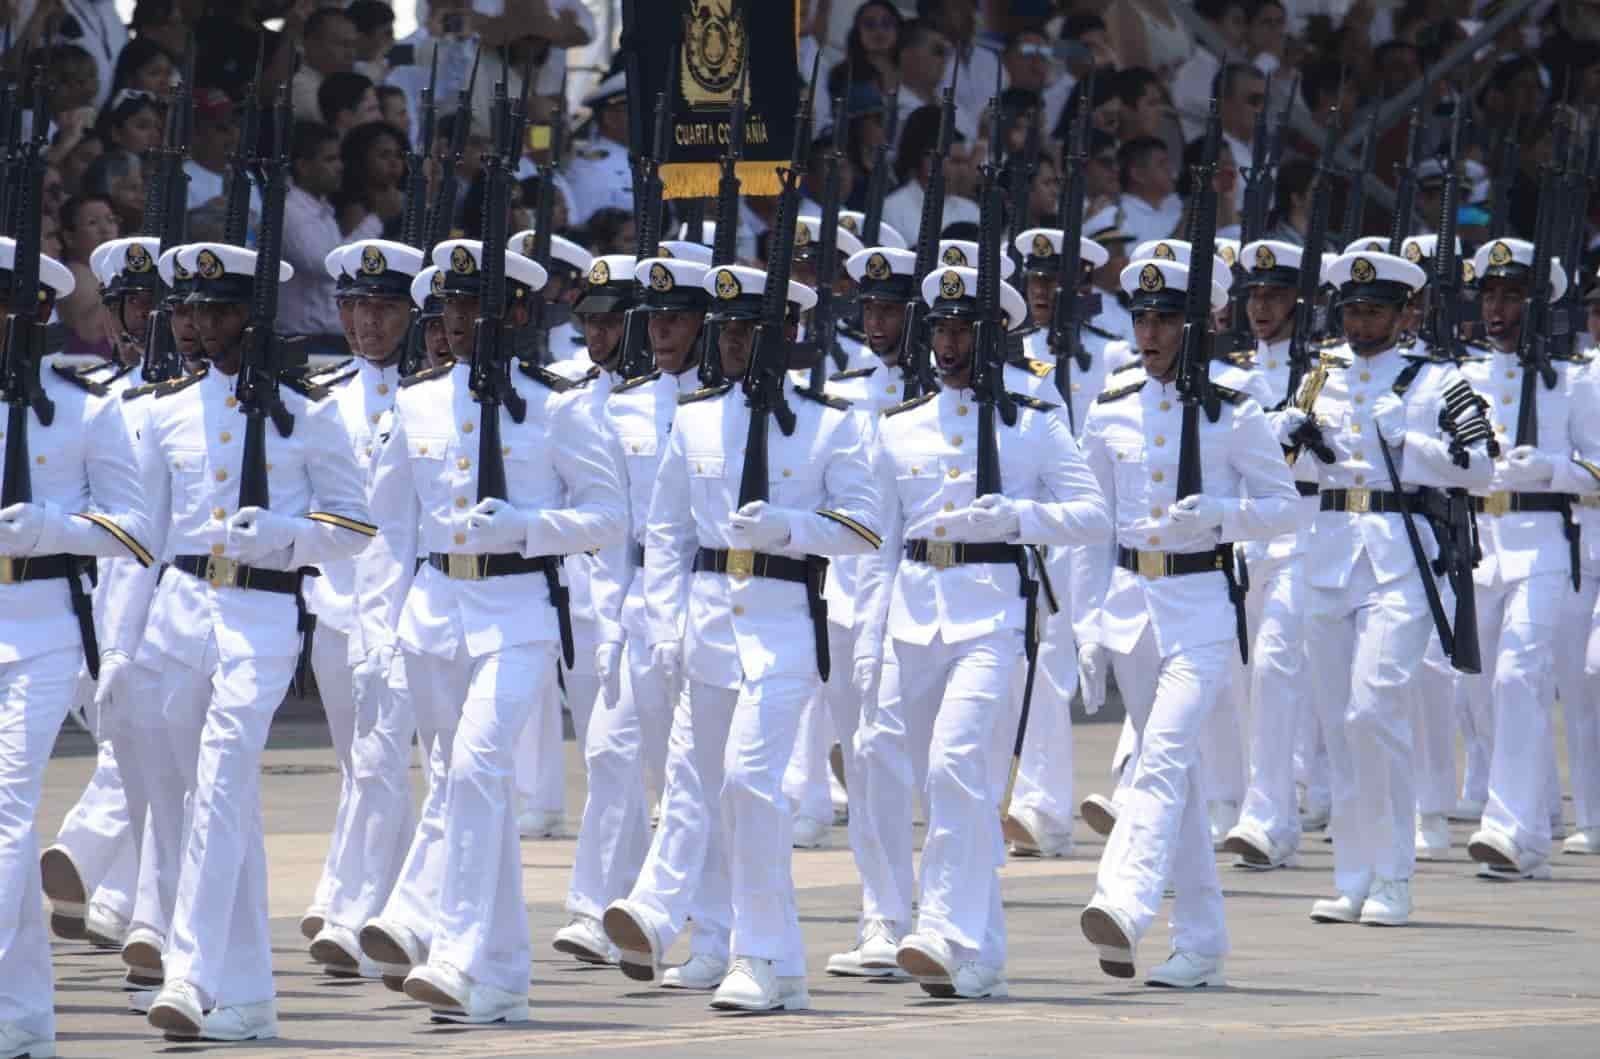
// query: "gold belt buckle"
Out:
[10,569]
[1497,503]
[1152,565]
[463,568]
[1358,501]
[941,554]
[221,572]
[741,563]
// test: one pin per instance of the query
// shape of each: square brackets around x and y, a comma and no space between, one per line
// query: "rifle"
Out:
[11,106]
[166,218]
[635,357]
[1193,378]
[257,388]
[1020,171]
[769,353]
[878,179]
[1442,329]
[915,361]
[1405,194]
[1260,183]
[1355,203]
[1581,173]
[441,215]
[1072,309]
[1505,172]
[19,362]
[1538,331]
[242,164]
[416,177]
[725,247]
[824,318]
[1306,324]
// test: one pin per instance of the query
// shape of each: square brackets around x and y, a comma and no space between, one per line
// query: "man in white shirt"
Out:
[1150,205]
[310,231]
[979,67]
[330,48]
[918,144]
[216,136]
[924,55]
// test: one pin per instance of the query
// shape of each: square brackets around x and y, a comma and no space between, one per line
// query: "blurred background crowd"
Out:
[354,72]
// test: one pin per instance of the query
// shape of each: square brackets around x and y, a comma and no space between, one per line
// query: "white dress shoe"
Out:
[177,1011]
[753,984]
[1253,849]
[141,953]
[703,971]
[873,956]
[1467,811]
[453,997]
[1224,815]
[393,948]
[139,1000]
[927,958]
[1584,841]
[1188,970]
[1031,834]
[16,1042]
[978,981]
[312,922]
[1341,909]
[810,833]
[63,884]
[585,940]
[104,927]
[1494,850]
[1110,932]
[338,949]
[241,1022]
[638,948]
[1388,904]
[1433,836]
[539,823]
[1099,812]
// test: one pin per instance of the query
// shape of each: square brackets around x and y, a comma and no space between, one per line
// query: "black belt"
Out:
[226,573]
[477,567]
[811,571]
[21,569]
[944,554]
[1174,564]
[1307,488]
[1367,501]
[1508,503]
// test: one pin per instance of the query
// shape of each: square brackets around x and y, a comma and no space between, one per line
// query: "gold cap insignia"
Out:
[1363,271]
[1164,252]
[209,265]
[599,274]
[951,285]
[849,225]
[1500,254]
[138,260]
[728,286]
[527,245]
[878,267]
[1468,272]
[954,255]
[1229,254]
[802,235]
[373,263]
[462,261]
[1042,246]
[1152,279]
[661,278]
[1265,259]
[1413,251]
[662,251]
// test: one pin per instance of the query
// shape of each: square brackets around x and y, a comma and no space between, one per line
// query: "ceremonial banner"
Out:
[707,43]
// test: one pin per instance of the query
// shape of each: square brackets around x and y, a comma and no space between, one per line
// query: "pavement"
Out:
[1485,969]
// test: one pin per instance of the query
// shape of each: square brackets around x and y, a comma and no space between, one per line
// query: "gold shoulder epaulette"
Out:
[852,373]
[321,375]
[1572,357]
[1034,403]
[1229,394]
[427,373]
[78,379]
[328,380]
[705,392]
[548,378]
[1131,365]
[1327,342]
[906,406]
[1120,392]
[1238,359]
[1333,360]
[821,398]
[171,386]
[1038,368]
[304,387]
[636,381]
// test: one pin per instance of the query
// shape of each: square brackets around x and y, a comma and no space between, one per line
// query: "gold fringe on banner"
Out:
[695,180]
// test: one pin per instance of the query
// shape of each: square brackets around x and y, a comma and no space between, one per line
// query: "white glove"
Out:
[1530,466]
[758,526]
[608,667]
[1199,511]
[995,517]
[21,525]
[371,675]
[666,658]
[864,679]
[1286,422]
[1092,668]
[255,533]
[497,526]
[1389,413]
[113,675]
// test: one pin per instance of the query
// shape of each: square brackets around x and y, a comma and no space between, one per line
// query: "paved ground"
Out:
[1486,970]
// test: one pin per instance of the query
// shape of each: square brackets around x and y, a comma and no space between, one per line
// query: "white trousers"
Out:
[614,833]
[217,719]
[98,834]
[1044,774]
[1278,694]
[541,751]
[1367,642]
[376,819]
[1441,708]
[330,664]
[1579,688]
[1517,621]
[807,777]
[35,694]
[1163,831]
[480,924]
